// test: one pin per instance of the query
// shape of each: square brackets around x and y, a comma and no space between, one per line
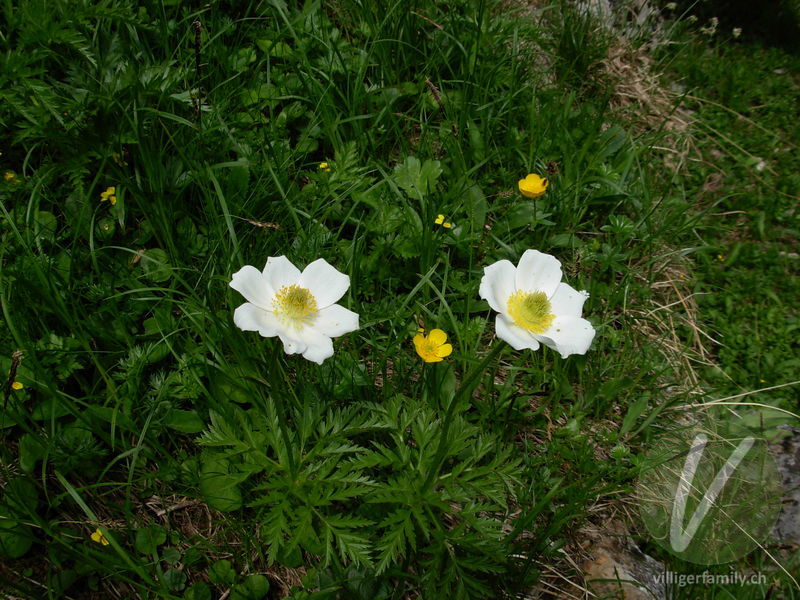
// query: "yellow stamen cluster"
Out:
[110,195]
[531,311]
[295,306]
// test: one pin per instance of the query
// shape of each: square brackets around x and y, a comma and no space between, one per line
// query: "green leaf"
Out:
[255,587]
[476,141]
[400,529]
[241,60]
[222,573]
[417,179]
[185,421]
[105,228]
[15,537]
[175,579]
[275,49]
[21,495]
[220,489]
[476,201]
[198,591]
[149,539]
[634,412]
[46,224]
[49,408]
[225,387]
[528,213]
[155,265]
[31,451]
[171,556]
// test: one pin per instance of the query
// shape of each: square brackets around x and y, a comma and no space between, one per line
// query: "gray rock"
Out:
[619,569]
[787,459]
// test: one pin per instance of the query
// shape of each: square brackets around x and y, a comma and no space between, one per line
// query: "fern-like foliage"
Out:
[361,487]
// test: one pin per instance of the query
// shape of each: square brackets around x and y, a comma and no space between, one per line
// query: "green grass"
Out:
[212,461]
[744,187]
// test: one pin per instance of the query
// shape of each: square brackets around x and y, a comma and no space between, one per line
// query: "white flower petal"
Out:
[313,345]
[568,335]
[250,317]
[325,282]
[567,301]
[279,272]
[319,348]
[538,272]
[251,284]
[336,320]
[291,344]
[518,338]
[498,284]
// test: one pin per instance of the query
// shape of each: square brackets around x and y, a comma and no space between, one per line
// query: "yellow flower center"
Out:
[427,350]
[295,306]
[531,311]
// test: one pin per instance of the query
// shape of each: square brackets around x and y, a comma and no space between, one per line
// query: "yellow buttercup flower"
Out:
[533,185]
[110,194]
[432,348]
[440,221]
[11,177]
[17,385]
[324,166]
[98,537]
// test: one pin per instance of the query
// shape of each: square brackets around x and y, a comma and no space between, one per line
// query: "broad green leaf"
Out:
[255,587]
[219,488]
[149,539]
[275,49]
[171,556]
[417,178]
[31,451]
[46,224]
[198,591]
[175,579]
[155,265]
[21,495]
[185,421]
[15,538]
[222,573]
[241,60]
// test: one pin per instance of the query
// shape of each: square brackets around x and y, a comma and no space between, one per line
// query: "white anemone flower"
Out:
[534,307]
[297,307]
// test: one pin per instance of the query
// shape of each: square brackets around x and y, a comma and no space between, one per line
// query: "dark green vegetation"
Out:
[209,459]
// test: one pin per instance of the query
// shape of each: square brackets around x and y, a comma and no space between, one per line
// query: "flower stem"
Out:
[465,388]
[281,410]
